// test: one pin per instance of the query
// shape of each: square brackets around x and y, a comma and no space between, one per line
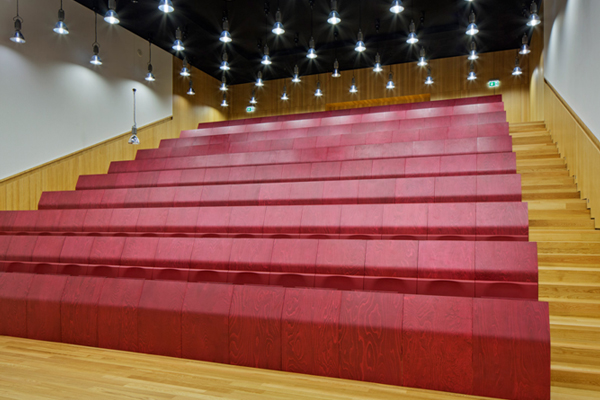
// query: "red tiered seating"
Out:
[386,244]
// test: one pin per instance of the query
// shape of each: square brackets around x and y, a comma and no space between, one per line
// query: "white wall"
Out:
[572,55]
[53,101]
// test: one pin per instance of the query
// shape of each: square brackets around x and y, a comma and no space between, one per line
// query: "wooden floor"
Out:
[569,259]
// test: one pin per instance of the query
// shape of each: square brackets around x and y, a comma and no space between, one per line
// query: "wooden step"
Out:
[544,234]
[579,376]
[568,291]
[566,224]
[576,353]
[558,214]
[580,247]
[566,393]
[557,204]
[568,274]
[550,194]
[573,308]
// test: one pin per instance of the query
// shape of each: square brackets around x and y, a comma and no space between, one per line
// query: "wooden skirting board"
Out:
[378,102]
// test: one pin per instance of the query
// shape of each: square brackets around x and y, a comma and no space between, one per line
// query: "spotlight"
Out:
[334,17]
[266,60]
[390,85]
[259,81]
[336,69]
[253,98]
[191,91]
[534,18]
[223,87]
[360,44]
[318,92]
[61,27]
[225,63]
[296,77]
[225,35]
[517,71]
[422,61]
[377,67]
[150,76]
[473,52]
[472,28]
[185,71]
[178,44]
[111,15]
[429,79]
[312,54]
[278,27]
[134,140]
[284,96]
[166,6]
[525,45]
[18,36]
[472,76]
[95,46]
[224,102]
[396,7]
[412,36]
[353,88]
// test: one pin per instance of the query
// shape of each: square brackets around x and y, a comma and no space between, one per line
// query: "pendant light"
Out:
[266,60]
[429,79]
[224,102]
[525,45]
[472,76]
[296,77]
[95,60]
[134,140]
[18,36]
[166,6]
[396,7]
[472,28]
[225,63]
[377,67]
[178,44]
[111,15]
[259,80]
[318,92]
[517,71]
[412,35]
[61,27]
[334,16]
[534,18]
[185,71]
[390,85]
[150,76]
[360,44]
[223,87]
[191,91]
[353,88]
[473,52]
[253,98]
[336,69]
[422,61]
[278,27]
[312,54]
[284,96]
[225,35]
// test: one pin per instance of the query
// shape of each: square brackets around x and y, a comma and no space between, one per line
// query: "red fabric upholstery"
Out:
[79,310]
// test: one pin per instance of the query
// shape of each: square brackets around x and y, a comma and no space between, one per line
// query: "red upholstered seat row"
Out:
[470,269]
[486,347]
[411,119]
[436,221]
[472,164]
[468,105]
[493,144]
[403,190]
[289,140]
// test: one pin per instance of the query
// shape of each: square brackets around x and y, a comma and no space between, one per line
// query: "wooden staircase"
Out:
[569,261]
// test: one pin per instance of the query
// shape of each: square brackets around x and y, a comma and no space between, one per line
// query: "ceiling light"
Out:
[111,15]
[253,98]
[225,63]
[150,76]
[191,91]
[336,69]
[472,28]
[390,85]
[422,61]
[278,27]
[178,44]
[412,36]
[284,96]
[472,76]
[224,102]
[360,44]
[534,18]
[296,77]
[223,87]
[134,138]
[473,52]
[353,88]
[259,81]
[166,6]
[18,36]
[225,35]
[525,45]
[334,17]
[318,92]
[312,54]
[185,71]
[396,7]
[517,71]
[377,67]
[429,79]
[95,60]
[61,27]
[266,60]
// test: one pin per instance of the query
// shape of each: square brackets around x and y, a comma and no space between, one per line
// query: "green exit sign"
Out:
[494,84]
[250,109]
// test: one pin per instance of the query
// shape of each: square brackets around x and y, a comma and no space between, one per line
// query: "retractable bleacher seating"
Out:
[386,244]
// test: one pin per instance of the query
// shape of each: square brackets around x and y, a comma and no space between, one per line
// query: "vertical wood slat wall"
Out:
[450,75]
